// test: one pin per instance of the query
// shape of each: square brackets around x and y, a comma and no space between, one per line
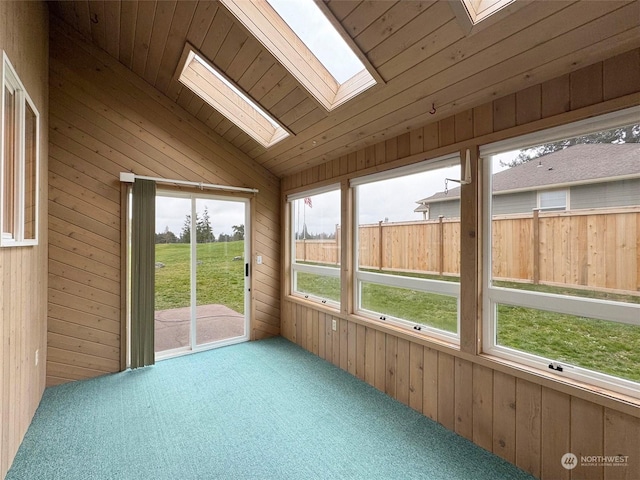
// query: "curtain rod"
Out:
[128,177]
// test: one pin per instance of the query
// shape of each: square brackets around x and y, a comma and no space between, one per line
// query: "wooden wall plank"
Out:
[430,383]
[446,390]
[622,438]
[361,345]
[556,96]
[621,74]
[391,365]
[464,398]
[380,361]
[587,429]
[504,416]
[351,348]
[463,126]
[528,426]
[416,375]
[370,356]
[504,113]
[402,368]
[586,86]
[555,433]
[483,406]
[446,131]
[528,105]
[483,120]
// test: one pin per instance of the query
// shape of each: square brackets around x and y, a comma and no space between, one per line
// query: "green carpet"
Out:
[263,410]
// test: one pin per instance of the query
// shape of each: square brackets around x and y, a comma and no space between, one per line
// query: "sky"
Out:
[393,199]
[389,200]
[171,212]
[317,33]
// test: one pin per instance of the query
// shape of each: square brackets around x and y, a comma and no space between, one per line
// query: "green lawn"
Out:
[219,278]
[607,347]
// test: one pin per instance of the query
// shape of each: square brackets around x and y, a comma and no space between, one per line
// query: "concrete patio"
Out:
[213,323]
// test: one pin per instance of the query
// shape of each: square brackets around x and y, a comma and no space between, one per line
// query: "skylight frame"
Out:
[212,86]
[479,10]
[476,15]
[261,20]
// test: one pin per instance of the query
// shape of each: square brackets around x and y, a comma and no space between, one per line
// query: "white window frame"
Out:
[11,80]
[304,268]
[493,296]
[564,207]
[438,287]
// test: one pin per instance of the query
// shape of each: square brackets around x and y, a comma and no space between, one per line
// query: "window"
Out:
[213,87]
[562,290]
[306,43]
[553,200]
[315,245]
[407,267]
[20,161]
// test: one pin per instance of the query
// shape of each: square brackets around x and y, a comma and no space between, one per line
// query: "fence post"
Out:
[536,246]
[380,245]
[441,240]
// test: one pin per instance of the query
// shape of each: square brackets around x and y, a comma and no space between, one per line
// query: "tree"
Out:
[203,228]
[185,235]
[166,237]
[238,232]
[204,233]
[628,134]
[223,237]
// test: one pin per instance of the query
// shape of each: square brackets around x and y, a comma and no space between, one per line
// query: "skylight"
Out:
[478,10]
[214,88]
[305,42]
[315,30]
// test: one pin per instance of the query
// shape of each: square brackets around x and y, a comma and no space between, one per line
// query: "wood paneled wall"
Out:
[526,418]
[527,423]
[23,270]
[105,120]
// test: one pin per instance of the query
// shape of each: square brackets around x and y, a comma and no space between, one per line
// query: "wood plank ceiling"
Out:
[419,48]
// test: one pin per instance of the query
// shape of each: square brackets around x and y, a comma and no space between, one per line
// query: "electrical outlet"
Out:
[37,357]
[334,325]
[259,259]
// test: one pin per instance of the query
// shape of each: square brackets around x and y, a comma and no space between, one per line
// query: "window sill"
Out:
[601,396]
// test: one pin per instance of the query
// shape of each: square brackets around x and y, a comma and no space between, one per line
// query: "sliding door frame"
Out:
[247,200]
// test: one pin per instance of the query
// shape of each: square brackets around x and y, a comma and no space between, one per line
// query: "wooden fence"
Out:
[596,249]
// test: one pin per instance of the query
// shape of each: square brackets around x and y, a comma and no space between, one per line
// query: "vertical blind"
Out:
[143,273]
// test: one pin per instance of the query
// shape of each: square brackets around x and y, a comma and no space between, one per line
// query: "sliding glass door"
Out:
[202,284]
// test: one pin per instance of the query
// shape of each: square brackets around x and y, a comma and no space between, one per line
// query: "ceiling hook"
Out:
[433,109]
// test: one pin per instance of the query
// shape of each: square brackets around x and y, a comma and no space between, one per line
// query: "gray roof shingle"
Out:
[575,164]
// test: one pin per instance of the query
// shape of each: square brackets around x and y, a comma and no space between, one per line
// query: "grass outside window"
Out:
[607,347]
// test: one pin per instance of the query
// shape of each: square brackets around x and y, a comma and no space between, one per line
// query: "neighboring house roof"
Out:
[578,164]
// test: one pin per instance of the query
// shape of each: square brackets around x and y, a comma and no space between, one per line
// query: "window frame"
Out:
[295,267]
[627,313]
[437,287]
[11,80]
[559,208]
[277,36]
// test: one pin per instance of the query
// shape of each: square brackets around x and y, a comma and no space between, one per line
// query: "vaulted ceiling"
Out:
[433,65]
